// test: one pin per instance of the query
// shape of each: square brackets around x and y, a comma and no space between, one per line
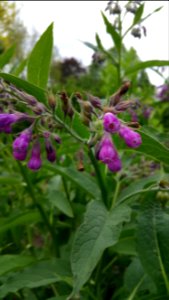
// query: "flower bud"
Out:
[115,165]
[107,151]
[52,101]
[35,160]
[51,152]
[95,101]
[131,138]
[6,120]
[111,123]
[21,143]
[136,32]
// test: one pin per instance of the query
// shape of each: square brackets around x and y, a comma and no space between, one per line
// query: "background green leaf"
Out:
[40,58]
[10,263]
[153,148]
[146,64]
[153,242]
[83,180]
[6,56]
[79,127]
[113,33]
[58,199]
[40,274]
[138,14]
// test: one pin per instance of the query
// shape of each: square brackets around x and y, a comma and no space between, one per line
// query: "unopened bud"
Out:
[124,105]
[52,101]
[95,101]
[116,10]
[39,108]
[66,105]
[136,32]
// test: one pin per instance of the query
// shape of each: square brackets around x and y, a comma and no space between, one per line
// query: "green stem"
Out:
[116,192]
[69,130]
[99,177]
[42,212]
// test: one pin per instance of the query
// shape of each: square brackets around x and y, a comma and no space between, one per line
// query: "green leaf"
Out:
[58,199]
[10,180]
[6,56]
[135,278]
[100,230]
[138,187]
[138,14]
[113,33]
[19,69]
[91,46]
[153,242]
[19,219]
[10,263]
[40,58]
[84,181]
[37,275]
[99,43]
[79,127]
[146,64]
[153,148]
[26,86]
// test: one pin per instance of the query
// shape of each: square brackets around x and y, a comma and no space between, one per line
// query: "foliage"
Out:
[79,229]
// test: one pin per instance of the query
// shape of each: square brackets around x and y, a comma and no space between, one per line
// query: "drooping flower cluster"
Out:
[21,148]
[107,152]
[22,142]
[44,120]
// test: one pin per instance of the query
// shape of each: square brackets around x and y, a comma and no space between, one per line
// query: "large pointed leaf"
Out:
[10,263]
[40,57]
[113,33]
[22,218]
[26,86]
[138,187]
[39,274]
[153,148]
[100,230]
[146,64]
[57,198]
[84,181]
[138,14]
[153,242]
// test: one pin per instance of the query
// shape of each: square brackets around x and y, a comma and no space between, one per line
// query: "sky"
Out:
[78,21]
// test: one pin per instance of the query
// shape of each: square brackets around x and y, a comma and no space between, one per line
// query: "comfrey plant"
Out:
[42,125]
[96,229]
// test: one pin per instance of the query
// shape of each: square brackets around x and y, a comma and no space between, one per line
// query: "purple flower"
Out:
[51,152]
[163,92]
[115,165]
[6,120]
[107,150]
[111,123]
[131,138]
[21,143]
[35,160]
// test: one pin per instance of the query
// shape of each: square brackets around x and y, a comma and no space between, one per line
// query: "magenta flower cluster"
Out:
[21,144]
[107,152]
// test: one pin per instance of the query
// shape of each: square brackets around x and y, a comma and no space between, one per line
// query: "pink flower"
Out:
[35,160]
[131,138]
[111,123]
